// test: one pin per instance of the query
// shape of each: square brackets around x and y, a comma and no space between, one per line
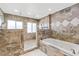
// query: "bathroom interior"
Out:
[54,33]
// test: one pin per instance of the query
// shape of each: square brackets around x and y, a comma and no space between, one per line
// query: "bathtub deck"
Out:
[62,46]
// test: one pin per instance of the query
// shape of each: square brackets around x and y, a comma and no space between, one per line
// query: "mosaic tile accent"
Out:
[69,27]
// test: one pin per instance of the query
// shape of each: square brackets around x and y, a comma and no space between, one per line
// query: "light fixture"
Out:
[49,9]
[29,13]
[16,10]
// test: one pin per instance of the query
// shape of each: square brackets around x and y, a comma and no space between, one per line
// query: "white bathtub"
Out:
[63,45]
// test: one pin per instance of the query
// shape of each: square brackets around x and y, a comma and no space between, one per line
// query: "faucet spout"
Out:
[73,51]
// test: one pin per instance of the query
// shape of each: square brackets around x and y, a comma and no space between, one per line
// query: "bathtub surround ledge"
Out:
[65,47]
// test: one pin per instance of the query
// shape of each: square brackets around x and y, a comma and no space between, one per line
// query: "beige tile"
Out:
[29,44]
[36,52]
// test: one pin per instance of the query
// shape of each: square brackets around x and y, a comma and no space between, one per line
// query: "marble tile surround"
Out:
[65,24]
[10,42]
[67,21]
[63,20]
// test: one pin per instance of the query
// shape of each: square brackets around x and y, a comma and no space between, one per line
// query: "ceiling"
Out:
[33,10]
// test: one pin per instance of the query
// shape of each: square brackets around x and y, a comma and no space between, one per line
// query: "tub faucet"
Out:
[73,51]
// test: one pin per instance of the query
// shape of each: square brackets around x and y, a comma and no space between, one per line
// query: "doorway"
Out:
[30,41]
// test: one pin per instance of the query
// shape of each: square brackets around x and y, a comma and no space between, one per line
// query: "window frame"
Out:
[15,25]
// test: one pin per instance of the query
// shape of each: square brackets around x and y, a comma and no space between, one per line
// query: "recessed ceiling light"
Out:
[50,9]
[16,10]
[29,13]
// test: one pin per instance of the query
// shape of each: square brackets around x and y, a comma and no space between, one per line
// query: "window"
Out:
[11,24]
[19,25]
[31,27]
[14,24]
[0,21]
[34,27]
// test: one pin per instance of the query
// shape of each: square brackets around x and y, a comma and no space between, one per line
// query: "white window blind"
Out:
[31,27]
[19,25]
[34,27]
[11,24]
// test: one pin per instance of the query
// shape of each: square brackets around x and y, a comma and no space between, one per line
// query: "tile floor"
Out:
[29,44]
[36,52]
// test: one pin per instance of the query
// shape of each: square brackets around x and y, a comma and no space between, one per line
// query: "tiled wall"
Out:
[65,24]
[44,29]
[10,42]
[24,20]
[44,23]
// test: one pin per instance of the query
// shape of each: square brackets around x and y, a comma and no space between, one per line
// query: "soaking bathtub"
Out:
[68,48]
